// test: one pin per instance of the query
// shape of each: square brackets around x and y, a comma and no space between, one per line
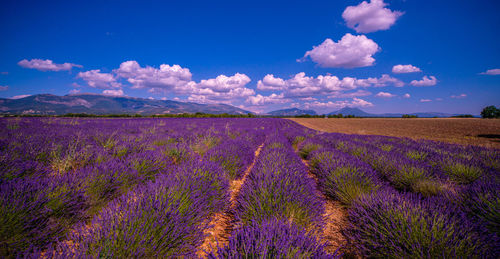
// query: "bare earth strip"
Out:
[221,223]
[473,131]
[335,219]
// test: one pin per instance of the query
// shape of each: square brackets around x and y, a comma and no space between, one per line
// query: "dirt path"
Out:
[222,222]
[334,217]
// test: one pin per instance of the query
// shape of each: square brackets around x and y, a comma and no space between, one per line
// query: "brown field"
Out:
[482,132]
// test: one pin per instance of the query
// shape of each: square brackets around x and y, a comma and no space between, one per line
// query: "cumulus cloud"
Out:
[406,95]
[118,92]
[350,52]
[426,81]
[20,96]
[384,80]
[369,17]
[224,89]
[46,65]
[400,69]
[358,93]
[4,87]
[165,78]
[425,100]
[269,82]
[460,96]
[385,95]
[223,83]
[308,99]
[301,85]
[97,79]
[492,72]
[263,100]
[355,102]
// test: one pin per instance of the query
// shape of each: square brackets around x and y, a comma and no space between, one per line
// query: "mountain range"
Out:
[48,104]
[358,113]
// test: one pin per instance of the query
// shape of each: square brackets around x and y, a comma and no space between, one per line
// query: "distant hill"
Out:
[48,104]
[360,113]
[351,111]
[292,112]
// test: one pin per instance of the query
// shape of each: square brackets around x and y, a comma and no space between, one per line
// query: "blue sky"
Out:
[321,55]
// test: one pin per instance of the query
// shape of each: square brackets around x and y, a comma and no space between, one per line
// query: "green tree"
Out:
[490,112]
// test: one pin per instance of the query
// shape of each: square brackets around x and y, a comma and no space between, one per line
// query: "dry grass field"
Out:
[483,132]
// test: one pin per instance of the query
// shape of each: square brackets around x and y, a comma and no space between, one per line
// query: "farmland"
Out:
[239,188]
[470,131]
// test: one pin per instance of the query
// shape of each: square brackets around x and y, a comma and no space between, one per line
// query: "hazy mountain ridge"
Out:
[48,104]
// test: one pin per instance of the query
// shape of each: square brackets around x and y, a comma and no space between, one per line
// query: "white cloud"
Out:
[263,100]
[460,96]
[438,99]
[425,100]
[20,96]
[355,102]
[74,91]
[175,79]
[224,89]
[357,93]
[492,72]
[406,95]
[369,17]
[426,81]
[4,87]
[210,96]
[385,95]
[118,92]
[304,86]
[96,79]
[384,80]
[301,85]
[165,78]
[400,69]
[224,83]
[350,52]
[308,99]
[269,82]
[46,65]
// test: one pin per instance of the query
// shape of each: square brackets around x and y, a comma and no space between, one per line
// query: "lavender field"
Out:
[239,188]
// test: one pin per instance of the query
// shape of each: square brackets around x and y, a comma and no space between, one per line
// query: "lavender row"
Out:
[163,218]
[278,212]
[343,177]
[437,212]
[83,164]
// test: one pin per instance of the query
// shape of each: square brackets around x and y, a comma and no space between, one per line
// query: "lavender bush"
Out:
[272,239]
[389,224]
